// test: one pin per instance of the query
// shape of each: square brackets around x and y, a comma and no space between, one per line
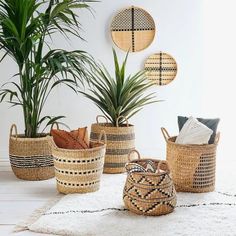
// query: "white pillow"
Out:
[194,132]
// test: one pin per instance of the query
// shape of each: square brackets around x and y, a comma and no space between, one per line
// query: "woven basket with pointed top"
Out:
[150,194]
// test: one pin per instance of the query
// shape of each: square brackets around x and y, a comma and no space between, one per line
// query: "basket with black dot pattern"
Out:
[79,170]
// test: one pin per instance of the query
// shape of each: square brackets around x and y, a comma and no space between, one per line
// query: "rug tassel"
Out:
[24,225]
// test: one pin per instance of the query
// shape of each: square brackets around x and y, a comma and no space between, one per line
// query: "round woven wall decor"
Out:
[132,29]
[161,68]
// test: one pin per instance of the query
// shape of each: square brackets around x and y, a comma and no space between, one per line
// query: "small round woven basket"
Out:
[30,158]
[120,141]
[150,194]
[79,170]
[192,166]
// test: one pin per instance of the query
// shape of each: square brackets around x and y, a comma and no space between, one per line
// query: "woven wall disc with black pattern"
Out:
[161,68]
[132,29]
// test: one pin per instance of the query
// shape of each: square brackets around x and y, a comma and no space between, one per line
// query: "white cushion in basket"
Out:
[194,132]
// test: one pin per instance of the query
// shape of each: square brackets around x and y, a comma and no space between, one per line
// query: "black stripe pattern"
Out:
[161,68]
[31,162]
[114,137]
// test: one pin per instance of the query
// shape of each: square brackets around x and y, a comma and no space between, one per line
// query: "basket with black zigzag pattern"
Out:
[147,193]
[31,158]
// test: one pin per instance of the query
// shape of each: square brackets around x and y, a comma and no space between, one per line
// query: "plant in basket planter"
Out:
[25,29]
[119,99]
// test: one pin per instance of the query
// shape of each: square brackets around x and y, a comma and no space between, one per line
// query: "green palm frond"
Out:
[119,96]
[24,30]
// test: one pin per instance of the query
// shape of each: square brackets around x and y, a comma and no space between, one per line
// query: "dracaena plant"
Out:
[26,33]
[119,96]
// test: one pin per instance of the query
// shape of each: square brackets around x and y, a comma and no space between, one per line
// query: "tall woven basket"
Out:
[192,166]
[30,158]
[120,141]
[150,194]
[79,170]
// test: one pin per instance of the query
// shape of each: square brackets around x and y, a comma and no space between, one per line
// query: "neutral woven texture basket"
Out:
[120,141]
[150,194]
[79,170]
[30,158]
[192,166]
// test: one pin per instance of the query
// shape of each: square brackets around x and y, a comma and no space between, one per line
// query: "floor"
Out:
[18,199]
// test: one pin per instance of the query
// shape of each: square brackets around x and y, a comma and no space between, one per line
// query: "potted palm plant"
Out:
[26,26]
[119,99]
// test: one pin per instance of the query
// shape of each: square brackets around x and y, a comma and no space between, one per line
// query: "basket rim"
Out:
[164,172]
[190,145]
[22,137]
[100,147]
[110,125]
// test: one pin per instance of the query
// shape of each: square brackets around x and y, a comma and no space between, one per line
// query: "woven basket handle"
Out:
[101,116]
[51,142]
[11,130]
[55,123]
[102,134]
[217,138]
[134,151]
[165,134]
[118,118]
[163,163]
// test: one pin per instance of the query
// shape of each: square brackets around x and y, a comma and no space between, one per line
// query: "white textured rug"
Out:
[102,213]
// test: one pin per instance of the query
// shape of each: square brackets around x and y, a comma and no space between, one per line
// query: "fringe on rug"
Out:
[24,225]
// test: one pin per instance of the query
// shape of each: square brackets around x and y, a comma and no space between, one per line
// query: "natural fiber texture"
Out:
[78,170]
[133,29]
[161,68]
[147,193]
[30,158]
[120,141]
[192,166]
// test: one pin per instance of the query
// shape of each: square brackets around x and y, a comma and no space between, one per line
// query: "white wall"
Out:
[219,70]
[181,31]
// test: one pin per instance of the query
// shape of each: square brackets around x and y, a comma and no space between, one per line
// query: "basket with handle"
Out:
[149,193]
[79,170]
[192,166]
[120,141]
[30,158]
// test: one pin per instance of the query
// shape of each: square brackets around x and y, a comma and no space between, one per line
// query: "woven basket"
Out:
[120,141]
[79,170]
[30,158]
[192,166]
[150,194]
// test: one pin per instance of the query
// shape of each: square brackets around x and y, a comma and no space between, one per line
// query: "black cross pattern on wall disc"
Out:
[161,68]
[133,29]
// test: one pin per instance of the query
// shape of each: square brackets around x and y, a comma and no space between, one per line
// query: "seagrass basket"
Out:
[192,166]
[120,141]
[79,170]
[150,194]
[30,158]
